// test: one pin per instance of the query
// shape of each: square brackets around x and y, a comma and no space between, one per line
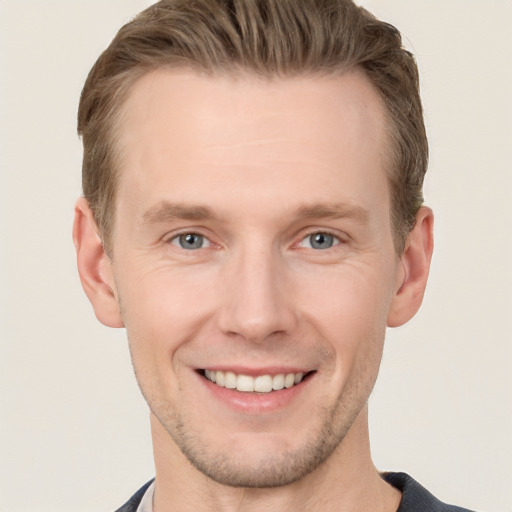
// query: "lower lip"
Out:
[256,403]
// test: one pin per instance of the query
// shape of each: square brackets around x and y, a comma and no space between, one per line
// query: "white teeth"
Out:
[289,380]
[263,384]
[278,382]
[230,380]
[244,383]
[219,378]
[260,384]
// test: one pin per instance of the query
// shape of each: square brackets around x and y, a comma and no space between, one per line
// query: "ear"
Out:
[95,267]
[415,263]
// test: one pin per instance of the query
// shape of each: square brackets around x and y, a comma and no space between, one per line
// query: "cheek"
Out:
[162,310]
[357,294]
[164,298]
[349,311]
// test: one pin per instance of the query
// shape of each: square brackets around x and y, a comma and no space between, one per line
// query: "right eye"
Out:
[321,240]
[190,241]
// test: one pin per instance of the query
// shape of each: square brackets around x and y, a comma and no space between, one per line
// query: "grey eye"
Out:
[320,241]
[190,241]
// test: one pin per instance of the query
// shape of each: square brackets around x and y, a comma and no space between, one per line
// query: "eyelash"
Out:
[175,240]
[335,238]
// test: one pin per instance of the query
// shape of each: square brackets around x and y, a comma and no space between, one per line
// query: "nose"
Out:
[257,303]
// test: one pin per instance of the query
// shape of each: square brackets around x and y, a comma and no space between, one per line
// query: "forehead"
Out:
[182,128]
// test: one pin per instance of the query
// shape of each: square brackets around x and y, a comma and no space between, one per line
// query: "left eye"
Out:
[319,241]
[190,241]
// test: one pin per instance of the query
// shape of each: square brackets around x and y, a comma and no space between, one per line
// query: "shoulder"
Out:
[132,504]
[415,498]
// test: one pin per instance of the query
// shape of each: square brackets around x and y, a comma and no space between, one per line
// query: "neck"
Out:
[346,482]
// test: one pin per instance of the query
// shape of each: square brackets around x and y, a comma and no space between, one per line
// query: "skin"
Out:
[255,168]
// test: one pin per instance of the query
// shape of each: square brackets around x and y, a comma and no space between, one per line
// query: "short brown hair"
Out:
[268,38]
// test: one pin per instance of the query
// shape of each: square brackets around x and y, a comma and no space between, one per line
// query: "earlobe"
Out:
[94,267]
[415,263]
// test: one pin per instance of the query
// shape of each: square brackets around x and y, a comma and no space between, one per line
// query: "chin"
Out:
[260,460]
[259,470]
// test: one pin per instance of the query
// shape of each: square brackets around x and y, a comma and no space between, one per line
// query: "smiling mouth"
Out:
[259,384]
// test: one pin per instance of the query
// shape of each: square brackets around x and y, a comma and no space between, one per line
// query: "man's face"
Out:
[253,245]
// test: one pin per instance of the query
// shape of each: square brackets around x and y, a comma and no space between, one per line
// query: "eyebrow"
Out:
[333,211]
[165,212]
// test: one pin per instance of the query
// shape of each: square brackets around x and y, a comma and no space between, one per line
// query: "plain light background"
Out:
[74,433]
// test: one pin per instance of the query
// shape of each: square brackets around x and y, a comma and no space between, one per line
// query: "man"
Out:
[252,214]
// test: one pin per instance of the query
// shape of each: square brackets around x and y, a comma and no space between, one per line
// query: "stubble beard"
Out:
[275,470]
